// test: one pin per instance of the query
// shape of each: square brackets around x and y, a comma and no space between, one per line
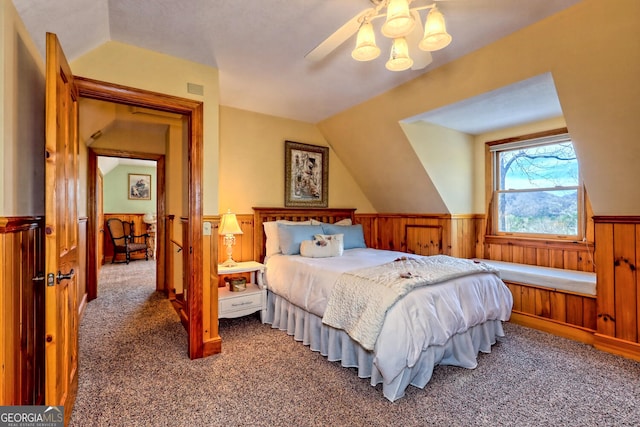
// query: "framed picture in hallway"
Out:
[139,186]
[306,175]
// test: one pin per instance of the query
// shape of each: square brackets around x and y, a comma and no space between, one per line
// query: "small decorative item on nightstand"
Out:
[237,284]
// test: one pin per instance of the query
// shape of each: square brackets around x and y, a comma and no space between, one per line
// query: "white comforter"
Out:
[427,316]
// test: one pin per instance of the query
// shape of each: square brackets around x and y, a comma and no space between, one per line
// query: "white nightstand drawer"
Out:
[236,304]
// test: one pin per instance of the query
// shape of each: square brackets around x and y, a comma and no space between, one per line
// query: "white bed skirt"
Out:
[461,349]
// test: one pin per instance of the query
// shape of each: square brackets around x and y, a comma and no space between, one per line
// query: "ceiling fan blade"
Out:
[341,35]
[420,57]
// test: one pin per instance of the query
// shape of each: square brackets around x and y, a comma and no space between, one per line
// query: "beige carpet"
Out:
[134,371]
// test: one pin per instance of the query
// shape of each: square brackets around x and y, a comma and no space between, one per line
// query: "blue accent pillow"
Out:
[353,234]
[291,236]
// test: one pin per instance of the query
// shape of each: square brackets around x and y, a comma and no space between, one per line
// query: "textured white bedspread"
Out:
[427,316]
[360,299]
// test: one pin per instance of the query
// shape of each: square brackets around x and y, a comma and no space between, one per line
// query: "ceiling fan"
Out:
[411,47]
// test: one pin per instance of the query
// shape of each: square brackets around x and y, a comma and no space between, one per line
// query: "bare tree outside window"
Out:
[538,189]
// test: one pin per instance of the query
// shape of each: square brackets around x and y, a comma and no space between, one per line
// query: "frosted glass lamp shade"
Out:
[366,48]
[399,21]
[435,32]
[399,59]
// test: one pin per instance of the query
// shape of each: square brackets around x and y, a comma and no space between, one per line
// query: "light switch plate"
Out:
[206,230]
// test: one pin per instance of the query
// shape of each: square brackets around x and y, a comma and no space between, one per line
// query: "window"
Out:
[537,189]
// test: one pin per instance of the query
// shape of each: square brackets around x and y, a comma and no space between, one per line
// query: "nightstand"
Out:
[252,299]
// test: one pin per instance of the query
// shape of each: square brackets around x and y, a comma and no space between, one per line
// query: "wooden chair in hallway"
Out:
[124,241]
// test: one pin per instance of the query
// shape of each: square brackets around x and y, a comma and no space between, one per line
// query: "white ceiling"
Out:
[528,101]
[107,164]
[259,45]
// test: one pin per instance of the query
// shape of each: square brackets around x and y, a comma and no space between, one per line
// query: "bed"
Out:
[446,321]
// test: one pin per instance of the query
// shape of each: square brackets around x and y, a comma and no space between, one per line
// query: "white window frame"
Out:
[496,147]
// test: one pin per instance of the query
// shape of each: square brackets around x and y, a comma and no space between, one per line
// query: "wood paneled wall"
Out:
[455,235]
[213,342]
[614,314]
[21,311]
[567,314]
[618,285]
[567,255]
[22,306]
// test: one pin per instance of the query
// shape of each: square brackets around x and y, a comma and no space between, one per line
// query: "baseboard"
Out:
[628,349]
[212,346]
[82,306]
[554,327]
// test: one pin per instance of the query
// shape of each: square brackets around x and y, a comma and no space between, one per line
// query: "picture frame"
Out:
[139,187]
[306,182]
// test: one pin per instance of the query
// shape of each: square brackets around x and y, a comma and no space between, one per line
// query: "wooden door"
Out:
[61,231]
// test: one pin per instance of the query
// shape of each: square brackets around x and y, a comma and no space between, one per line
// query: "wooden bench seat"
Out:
[561,302]
[580,282]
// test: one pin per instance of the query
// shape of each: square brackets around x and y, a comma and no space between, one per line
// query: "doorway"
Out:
[193,265]
[158,210]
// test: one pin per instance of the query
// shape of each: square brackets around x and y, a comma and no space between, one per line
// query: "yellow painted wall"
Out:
[448,156]
[140,68]
[21,118]
[592,51]
[252,162]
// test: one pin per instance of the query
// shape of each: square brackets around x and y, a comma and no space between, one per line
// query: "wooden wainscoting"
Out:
[562,313]
[212,340]
[618,285]
[455,235]
[21,311]
[545,253]
[568,314]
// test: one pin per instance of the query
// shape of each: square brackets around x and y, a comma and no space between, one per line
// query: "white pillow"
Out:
[322,246]
[272,245]
[346,221]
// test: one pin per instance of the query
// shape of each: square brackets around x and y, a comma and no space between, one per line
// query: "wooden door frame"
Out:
[193,111]
[92,196]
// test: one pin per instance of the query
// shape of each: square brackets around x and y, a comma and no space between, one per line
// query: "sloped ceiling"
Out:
[595,75]
[259,45]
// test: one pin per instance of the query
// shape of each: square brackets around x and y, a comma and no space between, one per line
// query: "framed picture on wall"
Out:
[306,175]
[139,186]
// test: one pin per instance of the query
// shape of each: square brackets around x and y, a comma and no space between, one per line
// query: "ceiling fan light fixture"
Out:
[399,21]
[366,48]
[435,32]
[399,59]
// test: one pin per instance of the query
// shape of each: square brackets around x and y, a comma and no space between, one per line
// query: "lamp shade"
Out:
[435,32]
[229,224]
[366,48]
[399,59]
[399,21]
[149,218]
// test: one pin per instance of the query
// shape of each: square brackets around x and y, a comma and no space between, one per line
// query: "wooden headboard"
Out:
[261,215]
